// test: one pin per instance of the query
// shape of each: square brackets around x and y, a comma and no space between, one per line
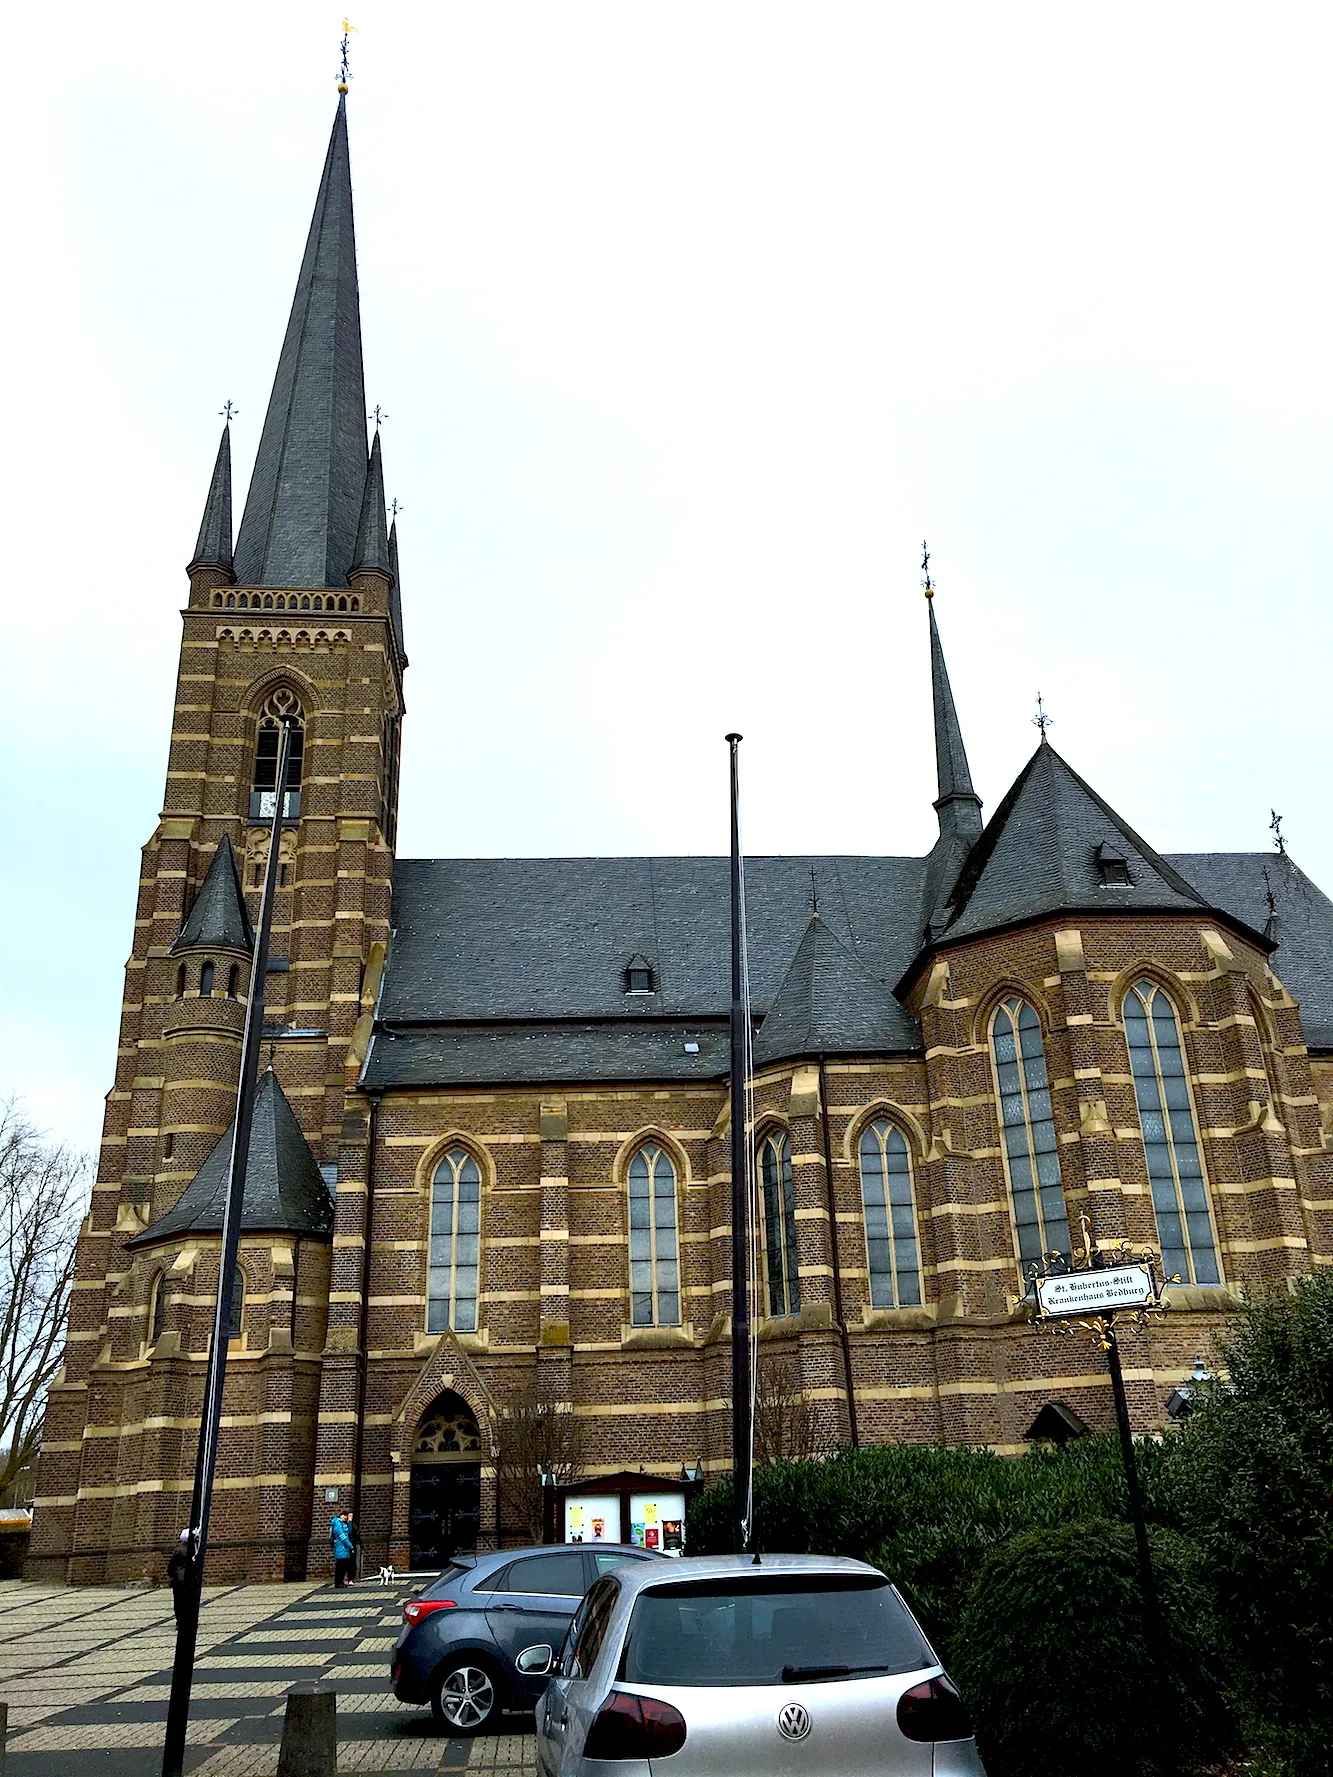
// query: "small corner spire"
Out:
[371,554]
[212,549]
[958,805]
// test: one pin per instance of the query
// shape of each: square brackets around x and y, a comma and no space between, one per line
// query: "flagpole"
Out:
[206,1453]
[742,1397]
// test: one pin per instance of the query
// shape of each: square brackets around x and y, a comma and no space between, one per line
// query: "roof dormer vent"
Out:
[639,976]
[1112,867]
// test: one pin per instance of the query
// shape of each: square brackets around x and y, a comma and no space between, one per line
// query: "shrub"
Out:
[1256,1471]
[1054,1661]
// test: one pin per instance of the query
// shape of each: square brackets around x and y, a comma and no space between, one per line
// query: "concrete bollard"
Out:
[4,1734]
[309,1733]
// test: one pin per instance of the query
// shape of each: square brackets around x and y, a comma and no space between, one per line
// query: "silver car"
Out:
[793,1666]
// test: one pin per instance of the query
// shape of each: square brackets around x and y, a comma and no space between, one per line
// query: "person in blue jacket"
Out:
[344,1550]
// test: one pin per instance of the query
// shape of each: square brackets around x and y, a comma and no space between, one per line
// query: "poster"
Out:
[592,1518]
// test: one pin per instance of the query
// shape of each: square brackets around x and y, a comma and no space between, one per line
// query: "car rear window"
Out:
[778,1629]
[561,1576]
[448,1574]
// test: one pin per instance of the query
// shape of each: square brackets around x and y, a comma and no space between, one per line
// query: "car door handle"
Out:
[506,1607]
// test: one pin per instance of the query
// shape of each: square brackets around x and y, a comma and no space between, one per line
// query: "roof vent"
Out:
[1112,868]
[639,977]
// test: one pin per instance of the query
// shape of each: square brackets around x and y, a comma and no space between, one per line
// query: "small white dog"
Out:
[386,1576]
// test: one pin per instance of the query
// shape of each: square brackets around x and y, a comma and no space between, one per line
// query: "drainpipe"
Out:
[837,1256]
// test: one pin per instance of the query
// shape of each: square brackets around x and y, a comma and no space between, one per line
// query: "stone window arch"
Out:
[281,705]
[1171,1146]
[654,1258]
[777,1225]
[453,1260]
[1031,1151]
[892,1252]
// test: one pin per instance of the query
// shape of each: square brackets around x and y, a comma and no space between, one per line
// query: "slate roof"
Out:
[284,1190]
[300,521]
[1038,852]
[829,1004]
[212,548]
[218,919]
[372,531]
[396,593]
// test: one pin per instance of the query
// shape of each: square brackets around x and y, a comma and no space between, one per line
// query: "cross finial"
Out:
[228,412]
[1275,825]
[344,74]
[394,507]
[378,415]
[270,1058]
[814,895]
[1041,719]
[927,583]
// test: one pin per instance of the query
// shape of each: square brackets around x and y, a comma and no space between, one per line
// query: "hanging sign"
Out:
[1073,1294]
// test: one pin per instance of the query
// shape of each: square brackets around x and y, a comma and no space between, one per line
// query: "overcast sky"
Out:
[691,321]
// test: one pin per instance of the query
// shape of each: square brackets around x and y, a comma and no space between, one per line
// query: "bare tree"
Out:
[784,1420]
[531,1437]
[41,1200]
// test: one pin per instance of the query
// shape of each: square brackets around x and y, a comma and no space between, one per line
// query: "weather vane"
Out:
[1275,826]
[814,894]
[1041,719]
[927,583]
[228,412]
[344,74]
[394,507]
[379,417]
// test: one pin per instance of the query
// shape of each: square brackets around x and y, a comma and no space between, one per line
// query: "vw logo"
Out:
[793,1721]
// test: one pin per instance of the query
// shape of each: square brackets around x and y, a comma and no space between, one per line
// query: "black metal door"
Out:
[444,1509]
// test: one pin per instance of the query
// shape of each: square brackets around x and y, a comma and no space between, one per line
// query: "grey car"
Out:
[795,1666]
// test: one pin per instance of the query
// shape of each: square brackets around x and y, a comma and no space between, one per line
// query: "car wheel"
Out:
[466,1696]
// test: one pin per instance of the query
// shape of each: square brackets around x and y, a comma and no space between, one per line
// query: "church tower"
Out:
[300,618]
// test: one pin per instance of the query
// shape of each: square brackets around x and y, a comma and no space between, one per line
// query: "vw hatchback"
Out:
[801,1666]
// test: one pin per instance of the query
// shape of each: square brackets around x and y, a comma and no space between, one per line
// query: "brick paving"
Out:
[86,1674]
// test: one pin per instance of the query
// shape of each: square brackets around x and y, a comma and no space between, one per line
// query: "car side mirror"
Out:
[535,1659]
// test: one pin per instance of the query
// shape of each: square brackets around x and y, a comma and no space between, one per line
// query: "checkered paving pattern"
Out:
[86,1673]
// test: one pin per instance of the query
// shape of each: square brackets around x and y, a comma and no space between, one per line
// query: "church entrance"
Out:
[444,1502]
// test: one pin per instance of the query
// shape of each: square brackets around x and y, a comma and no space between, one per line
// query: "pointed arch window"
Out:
[1170,1136]
[235,1327]
[280,706]
[654,1262]
[777,1225]
[1031,1153]
[206,974]
[455,1233]
[157,1309]
[886,1197]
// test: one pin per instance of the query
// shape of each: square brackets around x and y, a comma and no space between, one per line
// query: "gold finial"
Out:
[927,583]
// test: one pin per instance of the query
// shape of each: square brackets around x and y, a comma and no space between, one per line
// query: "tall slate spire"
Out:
[395,592]
[958,805]
[213,548]
[371,554]
[300,521]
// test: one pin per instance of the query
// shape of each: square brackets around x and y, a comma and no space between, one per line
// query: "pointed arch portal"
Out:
[444,1507]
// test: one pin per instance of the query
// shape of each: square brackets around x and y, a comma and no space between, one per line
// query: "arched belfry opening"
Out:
[445,1497]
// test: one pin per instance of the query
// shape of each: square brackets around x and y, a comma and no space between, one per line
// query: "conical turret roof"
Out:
[285,1191]
[828,1004]
[371,553]
[213,547]
[218,919]
[1046,850]
[300,521]
[395,593]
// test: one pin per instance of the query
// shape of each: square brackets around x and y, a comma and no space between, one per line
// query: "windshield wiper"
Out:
[805,1674]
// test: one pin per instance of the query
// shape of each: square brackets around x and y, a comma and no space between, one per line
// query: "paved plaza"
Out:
[86,1670]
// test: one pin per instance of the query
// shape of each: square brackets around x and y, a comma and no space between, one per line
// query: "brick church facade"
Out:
[491,1148]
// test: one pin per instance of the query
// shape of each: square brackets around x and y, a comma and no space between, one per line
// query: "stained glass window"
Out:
[654,1264]
[778,1225]
[1170,1136]
[455,1232]
[886,1197]
[1031,1153]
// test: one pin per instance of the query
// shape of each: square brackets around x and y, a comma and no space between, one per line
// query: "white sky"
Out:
[691,321]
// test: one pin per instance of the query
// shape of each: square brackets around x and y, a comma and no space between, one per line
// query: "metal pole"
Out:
[1151,1615]
[742,1426]
[835,1254]
[206,1454]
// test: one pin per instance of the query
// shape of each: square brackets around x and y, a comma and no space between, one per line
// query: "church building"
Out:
[490,1168]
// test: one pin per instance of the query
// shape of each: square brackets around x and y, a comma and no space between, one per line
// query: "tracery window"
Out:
[890,1216]
[1170,1136]
[455,1231]
[447,1432]
[1031,1153]
[654,1264]
[777,1224]
[280,706]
